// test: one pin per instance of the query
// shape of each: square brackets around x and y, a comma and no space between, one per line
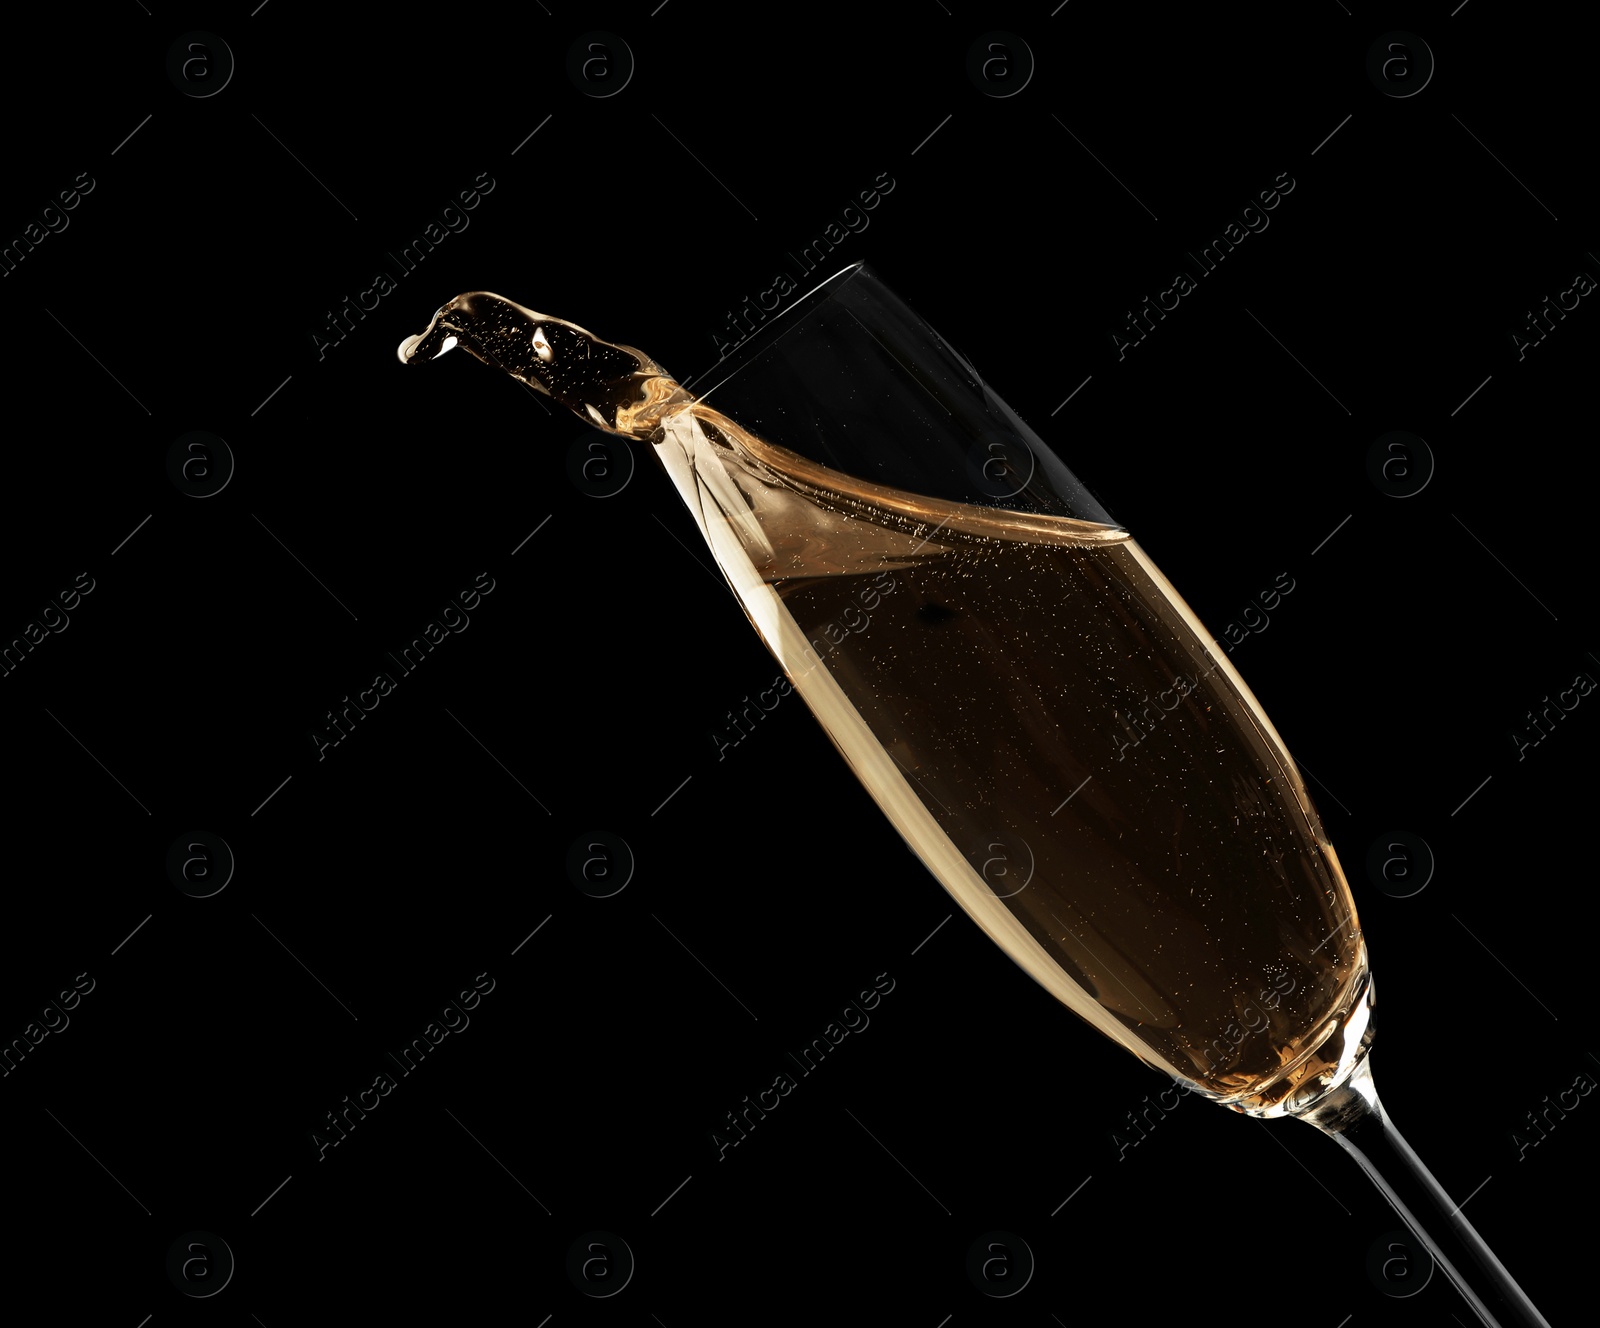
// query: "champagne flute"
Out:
[1009,675]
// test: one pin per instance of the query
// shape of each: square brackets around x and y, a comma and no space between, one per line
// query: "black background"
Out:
[423,849]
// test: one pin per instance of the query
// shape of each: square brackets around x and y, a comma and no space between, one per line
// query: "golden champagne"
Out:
[1033,707]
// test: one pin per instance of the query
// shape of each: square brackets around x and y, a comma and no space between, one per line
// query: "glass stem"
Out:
[1354,1117]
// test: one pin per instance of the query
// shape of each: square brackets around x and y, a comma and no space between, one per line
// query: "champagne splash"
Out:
[615,388]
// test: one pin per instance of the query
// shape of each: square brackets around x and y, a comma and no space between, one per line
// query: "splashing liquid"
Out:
[1036,711]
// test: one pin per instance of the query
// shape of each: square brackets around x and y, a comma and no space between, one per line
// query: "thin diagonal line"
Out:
[1070,395]
[668,1199]
[497,761]
[735,197]
[1470,1197]
[103,1167]
[725,987]
[268,1199]
[932,933]
[653,13]
[690,552]
[1072,1196]
[903,1167]
[1337,929]
[1331,534]
[900,764]
[1135,197]
[936,129]
[1473,794]
[1525,987]
[673,794]
[1453,13]
[1073,794]
[1303,1166]
[132,933]
[309,572]
[503,1167]
[253,13]
[1509,572]
[531,534]
[335,197]
[1322,786]
[131,534]
[1470,395]
[536,129]
[270,395]
[98,761]
[97,360]
[1535,197]
[1296,359]
[1336,129]
[1109,973]
[136,129]
[532,933]
[928,536]
[273,794]
[325,987]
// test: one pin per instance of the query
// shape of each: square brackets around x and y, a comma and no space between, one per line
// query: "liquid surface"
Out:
[1036,711]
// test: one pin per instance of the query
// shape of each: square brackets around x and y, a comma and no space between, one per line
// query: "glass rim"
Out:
[744,353]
